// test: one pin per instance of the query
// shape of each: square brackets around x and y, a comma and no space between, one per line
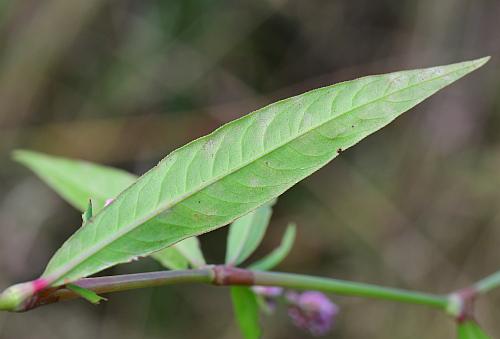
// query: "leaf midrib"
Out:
[66,269]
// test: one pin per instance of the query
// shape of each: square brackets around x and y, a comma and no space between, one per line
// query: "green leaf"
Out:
[471,330]
[171,258]
[181,255]
[89,295]
[215,179]
[190,249]
[274,258]
[87,215]
[77,181]
[246,310]
[246,233]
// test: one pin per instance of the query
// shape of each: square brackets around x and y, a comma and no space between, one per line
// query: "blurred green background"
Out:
[125,82]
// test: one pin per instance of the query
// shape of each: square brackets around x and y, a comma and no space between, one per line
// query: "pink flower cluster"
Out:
[310,310]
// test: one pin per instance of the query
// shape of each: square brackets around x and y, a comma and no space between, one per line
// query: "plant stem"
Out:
[118,283]
[487,284]
[228,276]
[341,287]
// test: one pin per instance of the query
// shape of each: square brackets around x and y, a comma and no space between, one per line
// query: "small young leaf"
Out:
[471,330]
[246,310]
[76,181]
[275,257]
[89,295]
[246,233]
[87,215]
[218,178]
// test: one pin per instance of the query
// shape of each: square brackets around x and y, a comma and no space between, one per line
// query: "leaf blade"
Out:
[246,233]
[74,180]
[246,310]
[191,250]
[171,258]
[242,165]
[278,254]
[83,183]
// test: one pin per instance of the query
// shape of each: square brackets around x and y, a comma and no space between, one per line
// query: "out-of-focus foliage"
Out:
[77,181]
[125,82]
[246,311]
[82,182]
[471,330]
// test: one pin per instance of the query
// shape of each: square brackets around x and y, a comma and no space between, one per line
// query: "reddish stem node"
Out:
[228,275]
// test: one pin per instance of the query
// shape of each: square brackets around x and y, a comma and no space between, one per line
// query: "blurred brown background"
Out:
[125,82]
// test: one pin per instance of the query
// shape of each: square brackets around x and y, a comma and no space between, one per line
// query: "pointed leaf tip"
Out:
[475,63]
[483,60]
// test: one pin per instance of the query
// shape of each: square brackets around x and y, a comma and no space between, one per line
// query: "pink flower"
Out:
[108,201]
[312,311]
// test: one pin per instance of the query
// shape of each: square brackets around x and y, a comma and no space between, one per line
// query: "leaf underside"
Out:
[217,178]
